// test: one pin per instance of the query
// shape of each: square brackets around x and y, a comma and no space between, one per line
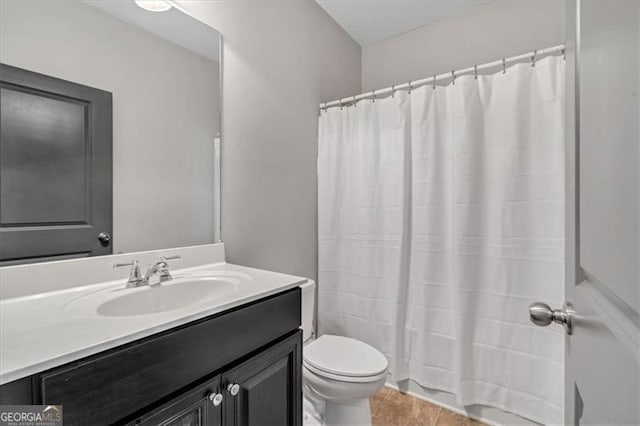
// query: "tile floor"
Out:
[392,408]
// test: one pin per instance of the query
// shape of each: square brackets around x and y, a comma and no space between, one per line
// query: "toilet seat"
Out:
[344,359]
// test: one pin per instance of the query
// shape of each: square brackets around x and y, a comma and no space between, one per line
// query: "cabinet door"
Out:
[266,390]
[198,406]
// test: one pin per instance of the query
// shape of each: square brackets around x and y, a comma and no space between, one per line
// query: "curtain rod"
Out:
[446,76]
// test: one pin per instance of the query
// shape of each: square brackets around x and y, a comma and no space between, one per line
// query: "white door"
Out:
[603,233]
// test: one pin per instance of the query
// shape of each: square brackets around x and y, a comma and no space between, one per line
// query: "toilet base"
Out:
[352,413]
[320,413]
[312,412]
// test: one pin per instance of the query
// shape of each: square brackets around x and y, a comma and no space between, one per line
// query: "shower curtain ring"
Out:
[453,78]
[475,72]
[393,91]
[504,66]
[341,105]
[355,104]
[374,97]
[434,82]
[533,58]
[564,53]
[409,83]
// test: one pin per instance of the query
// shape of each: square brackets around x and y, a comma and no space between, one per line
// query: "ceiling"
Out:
[368,21]
[173,25]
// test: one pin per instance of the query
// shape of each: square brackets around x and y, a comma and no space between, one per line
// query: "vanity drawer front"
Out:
[105,388]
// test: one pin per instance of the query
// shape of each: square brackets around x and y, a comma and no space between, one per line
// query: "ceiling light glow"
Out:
[154,5]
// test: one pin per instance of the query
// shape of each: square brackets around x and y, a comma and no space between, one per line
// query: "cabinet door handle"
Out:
[215,398]
[233,388]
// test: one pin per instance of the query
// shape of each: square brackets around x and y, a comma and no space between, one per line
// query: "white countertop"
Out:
[39,331]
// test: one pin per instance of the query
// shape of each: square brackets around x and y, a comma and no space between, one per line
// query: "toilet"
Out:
[339,373]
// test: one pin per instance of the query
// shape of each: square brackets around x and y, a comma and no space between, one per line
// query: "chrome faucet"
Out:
[135,277]
[161,268]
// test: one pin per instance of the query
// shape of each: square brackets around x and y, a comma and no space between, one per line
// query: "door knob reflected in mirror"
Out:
[104,239]
[542,315]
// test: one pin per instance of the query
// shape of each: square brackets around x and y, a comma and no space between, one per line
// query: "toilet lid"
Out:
[344,356]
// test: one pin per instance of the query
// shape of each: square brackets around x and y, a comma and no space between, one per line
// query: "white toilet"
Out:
[339,373]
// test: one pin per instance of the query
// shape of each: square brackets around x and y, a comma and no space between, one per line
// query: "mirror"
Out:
[109,129]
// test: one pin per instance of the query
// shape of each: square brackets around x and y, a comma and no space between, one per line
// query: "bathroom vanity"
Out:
[232,359]
[241,367]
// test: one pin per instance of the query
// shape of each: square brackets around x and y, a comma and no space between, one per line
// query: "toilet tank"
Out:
[308,308]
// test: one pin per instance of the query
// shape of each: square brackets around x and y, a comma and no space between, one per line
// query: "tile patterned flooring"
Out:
[392,408]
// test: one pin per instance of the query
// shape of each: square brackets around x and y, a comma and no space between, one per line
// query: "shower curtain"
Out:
[440,219]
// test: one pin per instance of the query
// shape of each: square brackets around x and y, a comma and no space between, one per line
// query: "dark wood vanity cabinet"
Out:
[241,367]
[200,406]
[266,389]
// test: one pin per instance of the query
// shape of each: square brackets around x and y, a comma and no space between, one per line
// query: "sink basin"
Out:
[191,289]
[163,297]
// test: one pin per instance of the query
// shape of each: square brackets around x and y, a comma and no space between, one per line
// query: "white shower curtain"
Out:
[441,219]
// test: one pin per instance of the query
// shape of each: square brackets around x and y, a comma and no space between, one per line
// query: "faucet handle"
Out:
[174,257]
[133,263]
[163,271]
[135,278]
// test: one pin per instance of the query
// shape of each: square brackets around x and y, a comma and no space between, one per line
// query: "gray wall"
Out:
[165,105]
[281,59]
[484,33]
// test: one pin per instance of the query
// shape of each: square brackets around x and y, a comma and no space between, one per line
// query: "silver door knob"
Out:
[216,399]
[541,314]
[233,388]
[104,238]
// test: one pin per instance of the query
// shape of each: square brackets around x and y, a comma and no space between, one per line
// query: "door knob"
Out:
[541,314]
[215,398]
[104,238]
[233,388]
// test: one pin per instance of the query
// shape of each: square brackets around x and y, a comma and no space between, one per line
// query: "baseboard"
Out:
[489,415]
